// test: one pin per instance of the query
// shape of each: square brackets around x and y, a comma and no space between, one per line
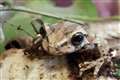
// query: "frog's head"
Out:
[65,37]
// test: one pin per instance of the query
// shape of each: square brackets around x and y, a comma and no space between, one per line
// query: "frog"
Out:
[65,38]
[60,38]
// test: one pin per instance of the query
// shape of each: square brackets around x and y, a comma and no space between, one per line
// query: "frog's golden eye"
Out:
[77,39]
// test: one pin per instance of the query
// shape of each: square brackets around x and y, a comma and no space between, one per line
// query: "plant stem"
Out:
[23,9]
[83,22]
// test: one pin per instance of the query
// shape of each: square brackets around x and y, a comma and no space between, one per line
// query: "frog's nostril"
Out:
[77,39]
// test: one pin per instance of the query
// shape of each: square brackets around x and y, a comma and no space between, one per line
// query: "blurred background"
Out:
[83,10]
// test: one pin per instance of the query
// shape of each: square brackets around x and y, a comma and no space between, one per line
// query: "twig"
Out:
[21,29]
[30,11]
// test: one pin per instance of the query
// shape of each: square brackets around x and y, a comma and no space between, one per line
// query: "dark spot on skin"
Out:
[103,54]
[110,50]
[101,60]
[24,68]
[68,46]
[61,73]
[102,50]
[54,75]
[42,65]
[53,67]
[41,76]
[27,66]
[117,49]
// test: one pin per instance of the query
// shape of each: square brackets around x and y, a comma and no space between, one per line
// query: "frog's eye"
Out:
[77,39]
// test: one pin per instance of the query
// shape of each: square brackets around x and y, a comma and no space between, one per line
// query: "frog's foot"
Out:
[86,66]
[91,64]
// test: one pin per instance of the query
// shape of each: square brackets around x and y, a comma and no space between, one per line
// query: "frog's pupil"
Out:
[77,39]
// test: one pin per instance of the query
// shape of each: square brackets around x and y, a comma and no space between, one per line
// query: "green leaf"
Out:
[80,10]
